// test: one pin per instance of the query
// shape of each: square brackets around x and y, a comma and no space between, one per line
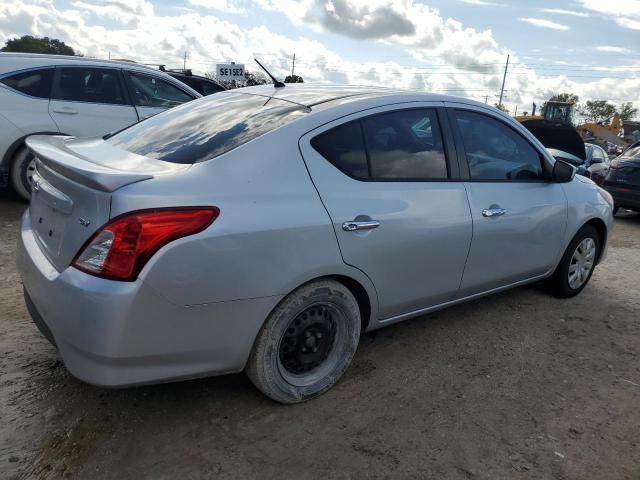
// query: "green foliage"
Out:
[502,108]
[597,111]
[30,44]
[627,111]
[293,79]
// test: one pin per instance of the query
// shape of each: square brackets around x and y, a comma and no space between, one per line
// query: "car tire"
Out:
[289,366]
[579,259]
[22,168]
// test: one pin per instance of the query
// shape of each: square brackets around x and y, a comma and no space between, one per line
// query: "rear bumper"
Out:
[624,199]
[124,333]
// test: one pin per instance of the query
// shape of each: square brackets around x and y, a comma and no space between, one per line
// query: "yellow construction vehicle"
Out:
[565,112]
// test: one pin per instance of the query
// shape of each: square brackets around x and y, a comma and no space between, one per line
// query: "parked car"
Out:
[75,96]
[203,85]
[595,166]
[264,229]
[623,180]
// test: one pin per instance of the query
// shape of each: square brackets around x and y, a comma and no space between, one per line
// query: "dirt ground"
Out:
[515,386]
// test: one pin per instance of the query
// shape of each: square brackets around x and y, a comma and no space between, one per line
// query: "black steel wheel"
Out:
[307,342]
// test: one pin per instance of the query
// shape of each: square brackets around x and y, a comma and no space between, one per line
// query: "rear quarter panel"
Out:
[273,233]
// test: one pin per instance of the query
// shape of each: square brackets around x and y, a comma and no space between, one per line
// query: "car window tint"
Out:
[404,145]
[343,146]
[153,92]
[495,151]
[202,86]
[93,85]
[206,128]
[36,83]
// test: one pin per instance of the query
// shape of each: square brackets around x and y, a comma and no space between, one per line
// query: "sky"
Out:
[455,47]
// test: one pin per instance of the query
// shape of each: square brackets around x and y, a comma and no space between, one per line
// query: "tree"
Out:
[597,111]
[560,97]
[30,44]
[627,111]
[502,108]
[293,79]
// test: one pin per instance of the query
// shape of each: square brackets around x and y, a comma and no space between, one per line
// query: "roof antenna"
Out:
[276,83]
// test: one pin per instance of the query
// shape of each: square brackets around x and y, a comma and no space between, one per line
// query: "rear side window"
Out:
[36,83]
[399,145]
[153,92]
[202,86]
[91,85]
[206,128]
[496,152]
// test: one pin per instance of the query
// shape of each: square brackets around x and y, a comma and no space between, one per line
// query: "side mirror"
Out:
[582,170]
[562,172]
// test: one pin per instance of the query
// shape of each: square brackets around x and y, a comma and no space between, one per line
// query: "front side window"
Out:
[494,151]
[153,92]
[36,83]
[399,145]
[92,85]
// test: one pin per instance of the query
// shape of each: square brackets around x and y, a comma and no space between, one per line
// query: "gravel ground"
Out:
[515,386]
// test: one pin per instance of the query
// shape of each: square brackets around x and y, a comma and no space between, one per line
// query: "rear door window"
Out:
[202,130]
[151,91]
[90,85]
[36,83]
[398,145]
[405,145]
[343,146]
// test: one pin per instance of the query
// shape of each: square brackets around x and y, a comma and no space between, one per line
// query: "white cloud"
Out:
[612,49]
[482,3]
[220,5]
[625,13]
[438,54]
[541,22]
[561,11]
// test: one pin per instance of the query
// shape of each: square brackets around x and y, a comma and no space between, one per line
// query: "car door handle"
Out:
[493,212]
[353,226]
[65,110]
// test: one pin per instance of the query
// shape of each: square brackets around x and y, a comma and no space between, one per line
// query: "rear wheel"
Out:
[23,167]
[307,343]
[578,262]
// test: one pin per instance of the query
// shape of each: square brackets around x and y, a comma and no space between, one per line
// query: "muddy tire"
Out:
[577,265]
[22,168]
[306,343]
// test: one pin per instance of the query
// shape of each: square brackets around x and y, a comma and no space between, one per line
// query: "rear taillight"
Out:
[121,248]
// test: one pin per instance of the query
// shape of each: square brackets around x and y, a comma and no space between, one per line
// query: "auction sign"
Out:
[230,71]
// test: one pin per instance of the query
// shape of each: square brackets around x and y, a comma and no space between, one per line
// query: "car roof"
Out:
[310,95]
[39,59]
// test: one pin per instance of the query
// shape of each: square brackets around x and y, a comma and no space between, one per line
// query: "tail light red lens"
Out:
[121,248]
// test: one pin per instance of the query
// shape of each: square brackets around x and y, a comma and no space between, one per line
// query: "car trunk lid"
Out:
[72,188]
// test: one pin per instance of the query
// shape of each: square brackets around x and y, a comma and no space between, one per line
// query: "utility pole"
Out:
[504,79]
[486,99]
[109,54]
[293,67]
[184,64]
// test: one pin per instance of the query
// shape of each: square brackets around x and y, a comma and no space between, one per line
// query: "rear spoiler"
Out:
[54,153]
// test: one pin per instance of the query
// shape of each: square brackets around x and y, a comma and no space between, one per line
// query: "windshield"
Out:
[204,129]
[565,156]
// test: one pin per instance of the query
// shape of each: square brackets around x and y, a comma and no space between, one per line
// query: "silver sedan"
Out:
[264,229]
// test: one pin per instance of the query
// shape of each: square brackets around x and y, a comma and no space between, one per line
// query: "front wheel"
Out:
[23,167]
[578,262]
[307,343]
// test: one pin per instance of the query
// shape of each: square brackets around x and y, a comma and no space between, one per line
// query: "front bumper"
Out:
[118,334]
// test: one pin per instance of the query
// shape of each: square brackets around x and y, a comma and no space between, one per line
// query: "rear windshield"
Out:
[198,131]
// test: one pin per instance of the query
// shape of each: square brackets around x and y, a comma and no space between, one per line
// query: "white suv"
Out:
[73,96]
